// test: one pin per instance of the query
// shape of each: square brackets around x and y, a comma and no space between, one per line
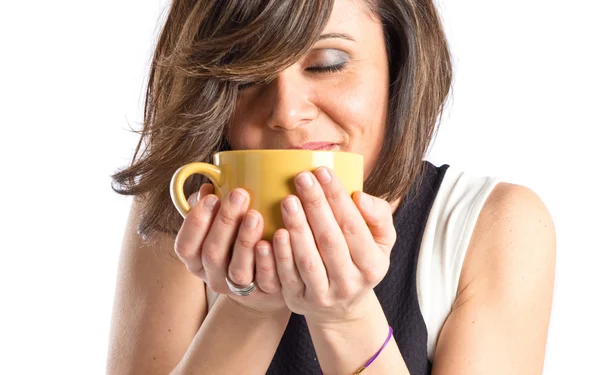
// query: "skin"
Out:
[348,107]
[335,248]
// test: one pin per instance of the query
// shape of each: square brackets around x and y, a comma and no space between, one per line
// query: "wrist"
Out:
[344,345]
[368,308]
[259,314]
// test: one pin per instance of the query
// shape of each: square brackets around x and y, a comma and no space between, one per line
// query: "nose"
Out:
[291,103]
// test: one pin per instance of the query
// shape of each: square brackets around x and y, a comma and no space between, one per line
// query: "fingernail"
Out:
[251,220]
[263,250]
[291,205]
[281,239]
[210,201]
[237,197]
[304,181]
[323,175]
[366,201]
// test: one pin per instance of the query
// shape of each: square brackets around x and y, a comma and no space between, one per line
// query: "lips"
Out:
[322,146]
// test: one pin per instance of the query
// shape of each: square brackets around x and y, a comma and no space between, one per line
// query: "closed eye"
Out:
[328,68]
[313,69]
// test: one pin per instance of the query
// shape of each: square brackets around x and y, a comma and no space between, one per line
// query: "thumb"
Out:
[377,213]
[205,190]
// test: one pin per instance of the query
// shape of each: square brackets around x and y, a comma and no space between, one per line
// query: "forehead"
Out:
[351,17]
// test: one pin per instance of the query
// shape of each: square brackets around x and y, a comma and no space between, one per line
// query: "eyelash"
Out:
[327,69]
[314,69]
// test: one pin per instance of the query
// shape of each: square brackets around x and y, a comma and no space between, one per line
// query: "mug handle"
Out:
[177,196]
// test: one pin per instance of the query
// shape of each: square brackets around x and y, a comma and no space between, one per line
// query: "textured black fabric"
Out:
[397,292]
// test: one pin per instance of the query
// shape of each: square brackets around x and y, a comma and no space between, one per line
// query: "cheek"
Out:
[244,136]
[245,133]
[359,106]
[360,109]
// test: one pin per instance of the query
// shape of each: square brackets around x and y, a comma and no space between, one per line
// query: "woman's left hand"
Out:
[335,248]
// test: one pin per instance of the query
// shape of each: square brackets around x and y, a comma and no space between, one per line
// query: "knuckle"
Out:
[345,290]
[245,243]
[185,251]
[319,300]
[210,255]
[372,274]
[239,276]
[327,241]
[378,221]
[263,268]
[335,194]
[285,258]
[296,226]
[195,269]
[314,201]
[290,280]
[197,220]
[371,277]
[349,226]
[308,264]
[227,218]
[200,274]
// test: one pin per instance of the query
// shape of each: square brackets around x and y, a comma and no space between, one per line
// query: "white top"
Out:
[447,234]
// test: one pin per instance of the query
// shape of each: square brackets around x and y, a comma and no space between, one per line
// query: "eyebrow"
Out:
[337,35]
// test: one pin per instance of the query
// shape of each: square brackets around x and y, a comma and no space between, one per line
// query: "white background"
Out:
[524,108]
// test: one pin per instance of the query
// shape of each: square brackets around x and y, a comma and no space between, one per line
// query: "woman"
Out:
[431,271]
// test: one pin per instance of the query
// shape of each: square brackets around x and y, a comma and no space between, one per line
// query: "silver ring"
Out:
[240,290]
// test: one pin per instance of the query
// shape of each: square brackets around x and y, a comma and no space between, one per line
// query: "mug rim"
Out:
[279,150]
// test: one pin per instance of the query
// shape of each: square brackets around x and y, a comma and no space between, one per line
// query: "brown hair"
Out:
[208,48]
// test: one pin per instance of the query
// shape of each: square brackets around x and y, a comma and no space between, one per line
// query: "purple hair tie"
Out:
[375,356]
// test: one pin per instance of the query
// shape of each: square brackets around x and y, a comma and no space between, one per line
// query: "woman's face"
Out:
[335,97]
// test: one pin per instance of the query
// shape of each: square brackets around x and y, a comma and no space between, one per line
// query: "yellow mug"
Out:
[268,176]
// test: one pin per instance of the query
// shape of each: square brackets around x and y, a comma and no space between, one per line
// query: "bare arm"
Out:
[160,319]
[158,307]
[234,340]
[499,322]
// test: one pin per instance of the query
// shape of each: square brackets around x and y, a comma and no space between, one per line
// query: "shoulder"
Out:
[514,216]
[498,322]
[513,243]
[487,255]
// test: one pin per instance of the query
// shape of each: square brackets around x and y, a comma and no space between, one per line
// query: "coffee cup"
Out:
[268,177]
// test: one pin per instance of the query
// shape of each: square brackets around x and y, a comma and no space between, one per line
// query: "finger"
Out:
[220,238]
[241,268]
[193,232]
[292,284]
[302,246]
[266,268]
[327,233]
[378,216]
[348,217]
[194,198]
[205,189]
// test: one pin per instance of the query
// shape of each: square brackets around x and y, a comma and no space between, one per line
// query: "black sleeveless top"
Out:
[397,292]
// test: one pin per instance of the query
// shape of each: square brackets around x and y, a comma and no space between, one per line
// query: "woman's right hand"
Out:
[211,229]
